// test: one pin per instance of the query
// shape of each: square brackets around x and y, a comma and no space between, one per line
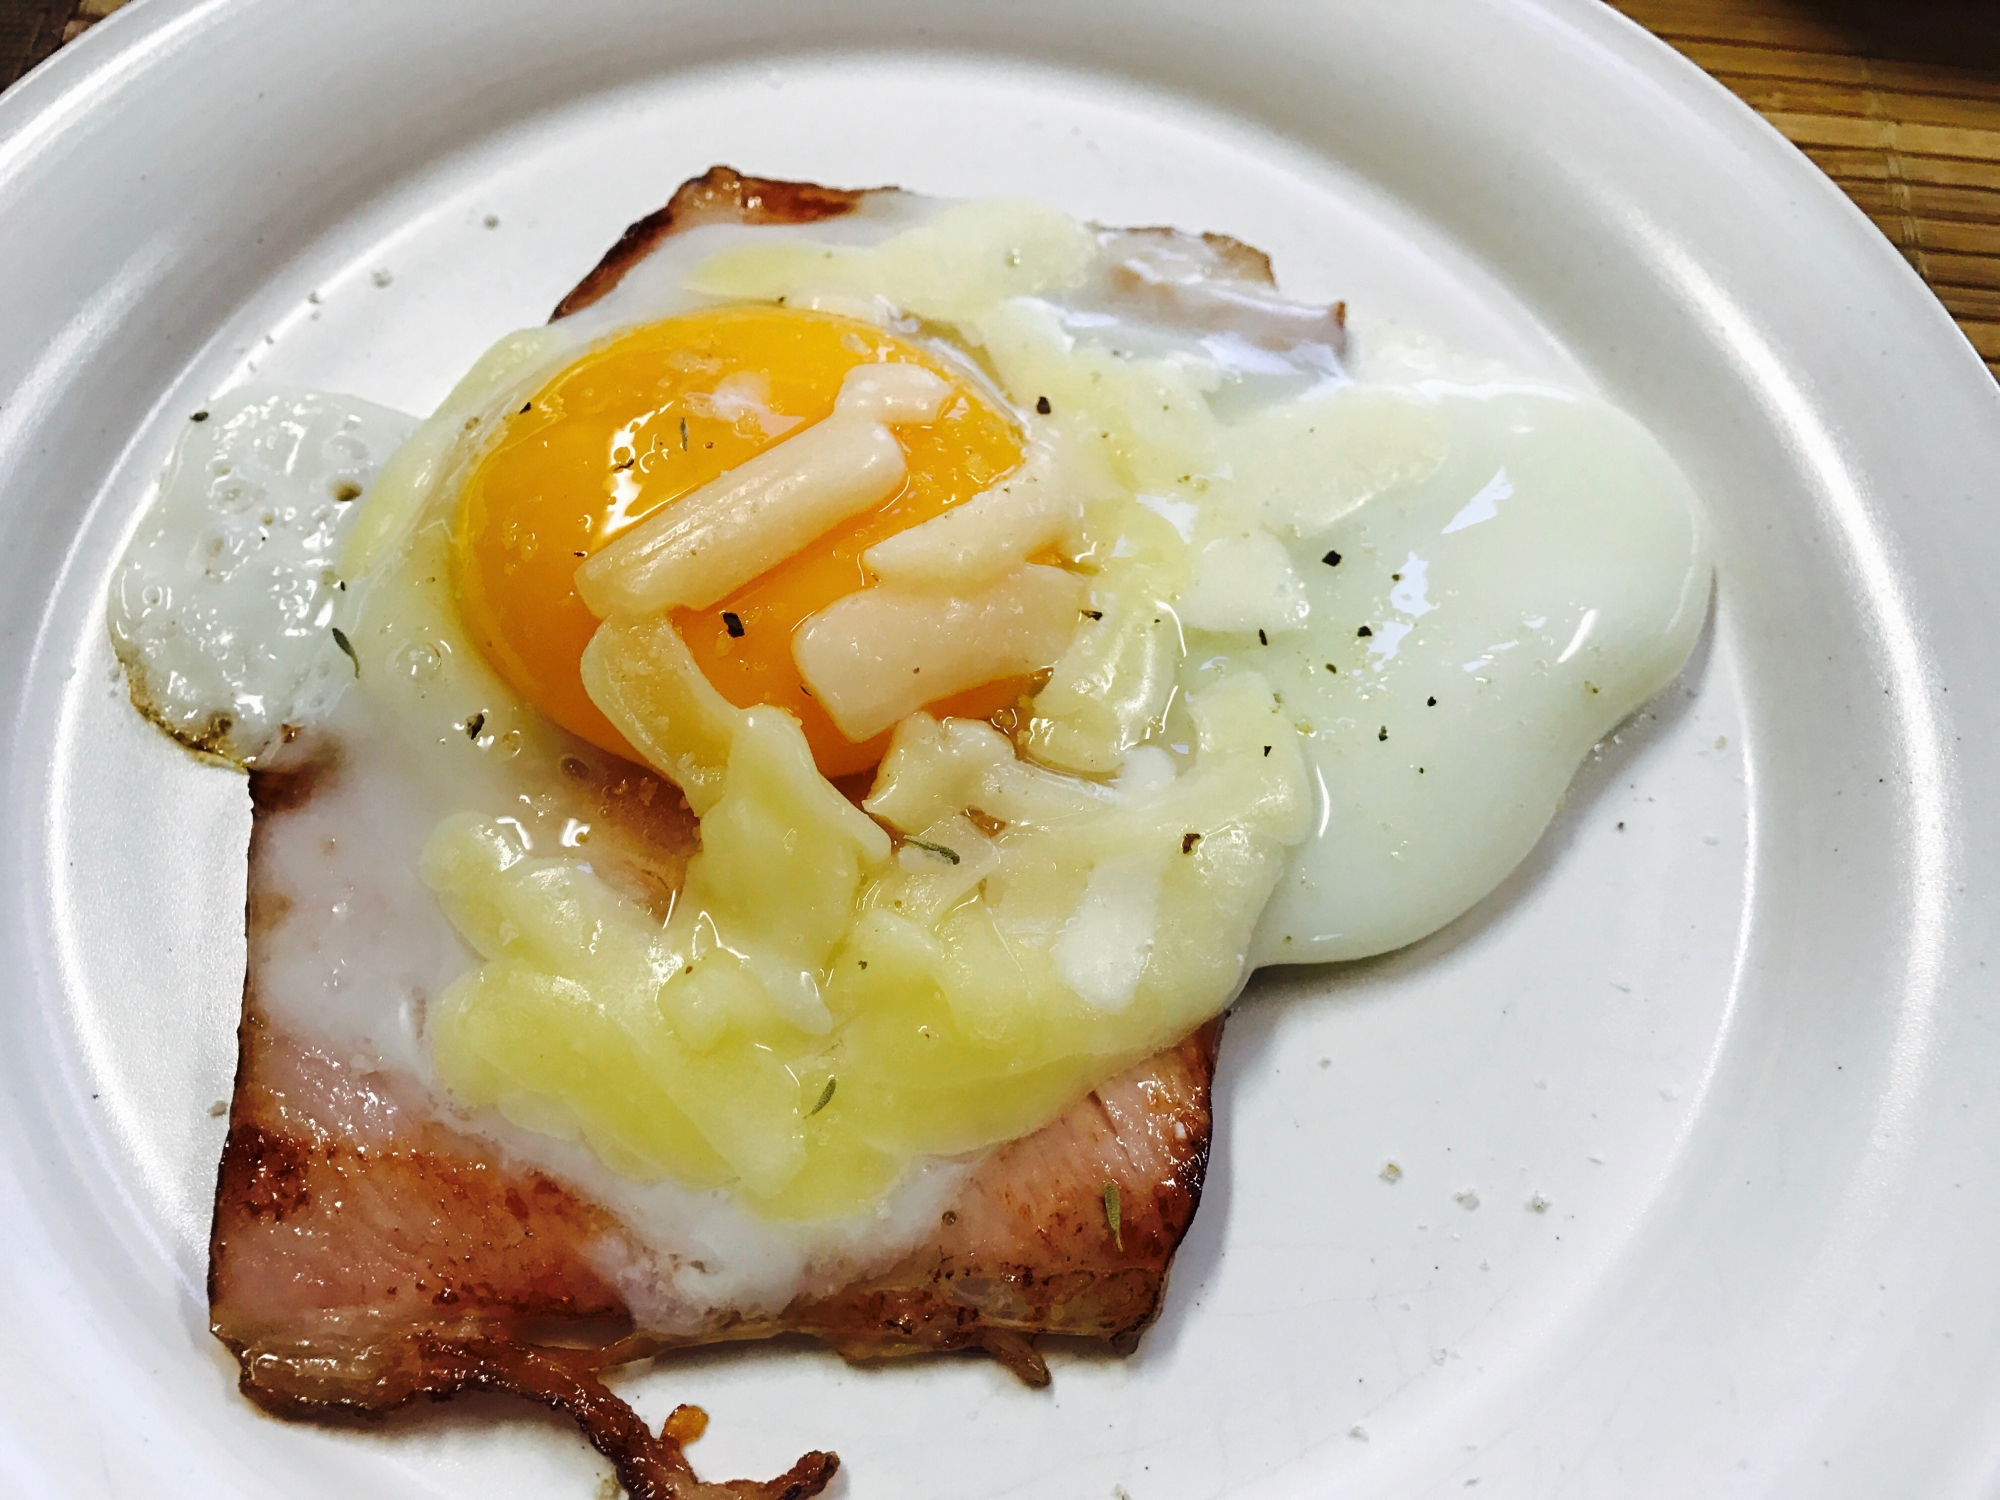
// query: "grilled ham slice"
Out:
[352,1271]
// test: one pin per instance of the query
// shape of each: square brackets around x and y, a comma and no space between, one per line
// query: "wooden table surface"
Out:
[1897,100]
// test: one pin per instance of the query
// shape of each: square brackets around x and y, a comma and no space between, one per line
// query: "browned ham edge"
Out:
[351,1277]
[719,196]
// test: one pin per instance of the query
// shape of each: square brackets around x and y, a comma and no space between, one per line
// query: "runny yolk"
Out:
[645,419]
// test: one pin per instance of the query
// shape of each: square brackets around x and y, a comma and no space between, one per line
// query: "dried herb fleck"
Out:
[1111,1215]
[684,434]
[340,639]
[474,724]
[1093,614]
[938,849]
[825,1098]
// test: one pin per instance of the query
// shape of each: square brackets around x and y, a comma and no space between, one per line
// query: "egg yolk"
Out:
[642,421]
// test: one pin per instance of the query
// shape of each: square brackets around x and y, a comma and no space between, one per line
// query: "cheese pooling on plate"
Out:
[1043,625]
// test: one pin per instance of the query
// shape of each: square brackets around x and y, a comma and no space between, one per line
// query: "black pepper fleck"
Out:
[733,623]
[525,410]
[1093,614]
[200,416]
[1430,703]
[340,639]
[1188,841]
[1364,631]
[1382,733]
[1263,639]
[1332,559]
[1042,407]
[1267,749]
[474,724]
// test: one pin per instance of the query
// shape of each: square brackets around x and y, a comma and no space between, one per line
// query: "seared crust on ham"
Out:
[364,1255]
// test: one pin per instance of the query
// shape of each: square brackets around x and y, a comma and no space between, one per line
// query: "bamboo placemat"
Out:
[1897,100]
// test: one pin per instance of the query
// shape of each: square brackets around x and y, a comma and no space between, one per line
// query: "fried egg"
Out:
[814,713]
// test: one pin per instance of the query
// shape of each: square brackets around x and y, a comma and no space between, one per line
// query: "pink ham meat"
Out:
[364,1255]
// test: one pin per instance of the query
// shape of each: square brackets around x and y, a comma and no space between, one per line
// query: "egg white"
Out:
[1548,579]
[224,608]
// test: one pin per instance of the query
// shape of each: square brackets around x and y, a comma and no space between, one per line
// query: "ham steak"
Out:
[365,1254]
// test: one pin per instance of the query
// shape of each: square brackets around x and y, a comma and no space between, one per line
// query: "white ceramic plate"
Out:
[1732,1025]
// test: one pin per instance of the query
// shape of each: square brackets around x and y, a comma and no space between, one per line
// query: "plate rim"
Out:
[75,78]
